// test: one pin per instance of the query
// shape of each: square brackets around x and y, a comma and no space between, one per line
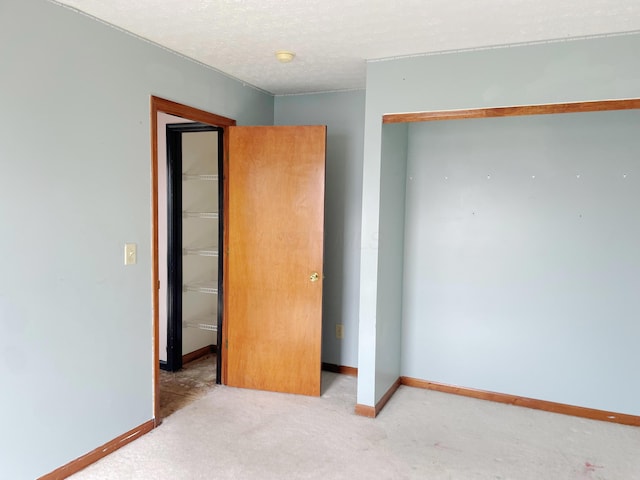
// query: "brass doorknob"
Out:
[314,277]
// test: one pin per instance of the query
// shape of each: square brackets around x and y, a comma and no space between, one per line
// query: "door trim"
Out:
[172,108]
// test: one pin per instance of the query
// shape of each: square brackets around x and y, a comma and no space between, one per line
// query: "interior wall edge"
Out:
[372,412]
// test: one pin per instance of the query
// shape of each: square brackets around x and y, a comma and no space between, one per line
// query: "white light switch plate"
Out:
[130,254]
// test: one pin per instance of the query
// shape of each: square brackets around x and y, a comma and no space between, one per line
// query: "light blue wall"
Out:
[592,69]
[393,183]
[521,260]
[343,113]
[75,185]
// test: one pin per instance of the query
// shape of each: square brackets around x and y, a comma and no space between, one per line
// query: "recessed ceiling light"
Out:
[284,56]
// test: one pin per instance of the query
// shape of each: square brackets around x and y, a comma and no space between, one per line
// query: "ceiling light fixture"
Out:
[284,56]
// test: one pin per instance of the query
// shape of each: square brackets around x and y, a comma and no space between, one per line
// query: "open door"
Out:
[274,249]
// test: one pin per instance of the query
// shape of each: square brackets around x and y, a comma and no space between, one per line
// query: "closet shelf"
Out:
[209,288]
[203,252]
[201,323]
[199,214]
[205,177]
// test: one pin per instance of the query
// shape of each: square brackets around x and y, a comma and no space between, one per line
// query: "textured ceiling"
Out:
[333,39]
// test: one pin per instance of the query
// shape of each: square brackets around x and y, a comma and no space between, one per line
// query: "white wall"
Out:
[343,114]
[580,70]
[199,157]
[76,345]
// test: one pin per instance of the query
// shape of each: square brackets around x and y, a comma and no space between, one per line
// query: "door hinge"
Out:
[158,284]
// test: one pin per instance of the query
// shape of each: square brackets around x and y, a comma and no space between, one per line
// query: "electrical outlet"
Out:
[130,254]
[339,331]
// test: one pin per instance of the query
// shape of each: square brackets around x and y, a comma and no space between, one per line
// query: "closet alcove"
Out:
[515,238]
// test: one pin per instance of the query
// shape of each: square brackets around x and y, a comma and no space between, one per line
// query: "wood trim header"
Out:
[546,109]
[172,108]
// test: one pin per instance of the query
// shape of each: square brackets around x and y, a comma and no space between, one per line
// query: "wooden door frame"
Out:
[161,105]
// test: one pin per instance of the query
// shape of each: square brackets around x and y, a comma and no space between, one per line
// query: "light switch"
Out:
[130,253]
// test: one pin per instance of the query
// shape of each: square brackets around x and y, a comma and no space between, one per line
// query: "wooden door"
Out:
[273,307]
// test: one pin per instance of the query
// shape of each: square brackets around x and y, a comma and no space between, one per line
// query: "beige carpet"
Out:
[242,434]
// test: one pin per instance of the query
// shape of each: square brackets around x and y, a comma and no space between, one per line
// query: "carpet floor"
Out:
[232,433]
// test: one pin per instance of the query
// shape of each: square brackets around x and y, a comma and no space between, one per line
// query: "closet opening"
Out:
[188,161]
[193,264]
[194,240]
[517,235]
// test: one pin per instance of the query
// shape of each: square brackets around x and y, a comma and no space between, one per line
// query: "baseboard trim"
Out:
[196,354]
[93,456]
[365,410]
[547,406]
[372,412]
[332,367]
